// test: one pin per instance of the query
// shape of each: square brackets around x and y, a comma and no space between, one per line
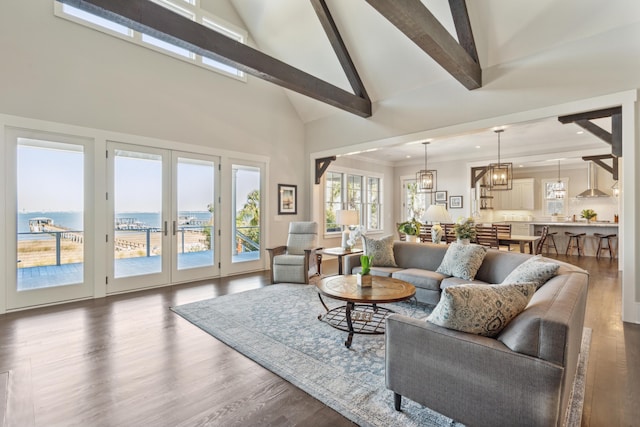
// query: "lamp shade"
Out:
[437,213]
[347,217]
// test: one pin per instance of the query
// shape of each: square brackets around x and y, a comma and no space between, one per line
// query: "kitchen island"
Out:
[590,242]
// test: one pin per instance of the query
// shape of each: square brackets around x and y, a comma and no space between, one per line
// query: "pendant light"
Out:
[500,174]
[425,178]
[559,192]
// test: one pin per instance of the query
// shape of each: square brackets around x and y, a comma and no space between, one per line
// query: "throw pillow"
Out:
[462,261]
[381,249]
[533,270]
[481,309]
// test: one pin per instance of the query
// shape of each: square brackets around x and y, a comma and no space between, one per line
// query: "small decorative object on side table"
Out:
[364,279]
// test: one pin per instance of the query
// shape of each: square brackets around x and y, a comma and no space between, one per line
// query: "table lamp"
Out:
[346,219]
[436,214]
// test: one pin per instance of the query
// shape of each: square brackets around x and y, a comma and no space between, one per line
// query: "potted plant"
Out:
[411,228]
[465,230]
[364,279]
[588,214]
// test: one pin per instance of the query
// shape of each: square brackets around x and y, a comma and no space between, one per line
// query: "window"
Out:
[188,8]
[415,202]
[553,206]
[355,192]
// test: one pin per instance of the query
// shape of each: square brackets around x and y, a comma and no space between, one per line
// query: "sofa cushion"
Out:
[462,260]
[498,264]
[455,281]
[381,250]
[481,309]
[534,270]
[420,278]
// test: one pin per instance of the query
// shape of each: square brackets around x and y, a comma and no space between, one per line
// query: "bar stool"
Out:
[578,242]
[602,239]
[549,242]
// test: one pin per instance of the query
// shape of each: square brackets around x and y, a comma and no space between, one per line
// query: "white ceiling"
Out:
[390,64]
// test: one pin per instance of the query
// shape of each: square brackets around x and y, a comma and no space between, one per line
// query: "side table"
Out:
[340,252]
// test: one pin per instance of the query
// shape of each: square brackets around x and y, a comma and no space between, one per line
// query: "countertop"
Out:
[570,223]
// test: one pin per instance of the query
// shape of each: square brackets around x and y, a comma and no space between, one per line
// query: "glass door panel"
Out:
[51,246]
[194,230]
[139,234]
[246,219]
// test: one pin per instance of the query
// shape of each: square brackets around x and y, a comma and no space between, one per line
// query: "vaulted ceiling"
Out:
[388,50]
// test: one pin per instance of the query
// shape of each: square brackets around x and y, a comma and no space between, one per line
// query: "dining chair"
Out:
[425,232]
[487,236]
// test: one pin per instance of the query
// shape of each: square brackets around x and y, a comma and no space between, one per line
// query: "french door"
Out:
[50,193]
[162,207]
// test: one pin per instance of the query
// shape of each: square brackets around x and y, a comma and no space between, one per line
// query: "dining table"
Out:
[520,239]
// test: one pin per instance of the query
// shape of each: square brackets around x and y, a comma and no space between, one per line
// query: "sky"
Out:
[51,179]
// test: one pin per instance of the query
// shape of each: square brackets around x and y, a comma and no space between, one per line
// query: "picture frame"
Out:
[287,199]
[455,202]
[441,196]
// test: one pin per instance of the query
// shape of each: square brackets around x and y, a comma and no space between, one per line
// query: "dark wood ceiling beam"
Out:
[321,167]
[157,21]
[595,130]
[613,138]
[418,23]
[590,115]
[463,27]
[330,28]
[613,169]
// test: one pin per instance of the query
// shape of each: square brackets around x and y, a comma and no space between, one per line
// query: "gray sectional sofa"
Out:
[523,376]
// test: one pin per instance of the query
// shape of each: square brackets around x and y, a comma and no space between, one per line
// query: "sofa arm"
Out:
[350,262]
[472,379]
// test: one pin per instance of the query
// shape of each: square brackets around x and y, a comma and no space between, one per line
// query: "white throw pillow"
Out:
[381,250]
[533,270]
[481,309]
[462,261]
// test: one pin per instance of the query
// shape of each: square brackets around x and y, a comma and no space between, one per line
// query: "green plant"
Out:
[365,262]
[465,228]
[588,214]
[411,227]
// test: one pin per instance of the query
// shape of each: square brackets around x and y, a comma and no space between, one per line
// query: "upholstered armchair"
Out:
[291,263]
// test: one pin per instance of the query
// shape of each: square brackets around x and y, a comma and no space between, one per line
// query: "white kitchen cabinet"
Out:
[521,197]
[521,229]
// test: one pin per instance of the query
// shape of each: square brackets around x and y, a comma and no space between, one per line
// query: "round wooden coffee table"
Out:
[361,314]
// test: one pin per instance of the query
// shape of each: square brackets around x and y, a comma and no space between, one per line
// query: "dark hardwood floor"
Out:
[127,360]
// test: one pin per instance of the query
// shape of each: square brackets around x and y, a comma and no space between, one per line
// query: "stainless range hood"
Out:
[592,184]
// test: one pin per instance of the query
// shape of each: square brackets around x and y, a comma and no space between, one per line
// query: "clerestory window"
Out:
[190,9]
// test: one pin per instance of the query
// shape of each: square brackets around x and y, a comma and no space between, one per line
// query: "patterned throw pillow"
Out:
[382,251]
[533,270]
[481,309]
[462,261]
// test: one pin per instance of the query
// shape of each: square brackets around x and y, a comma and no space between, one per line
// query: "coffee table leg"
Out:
[350,306]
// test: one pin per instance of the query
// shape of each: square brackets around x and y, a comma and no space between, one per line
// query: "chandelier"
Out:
[557,189]
[425,178]
[500,174]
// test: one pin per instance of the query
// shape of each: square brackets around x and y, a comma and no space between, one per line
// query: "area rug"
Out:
[278,327]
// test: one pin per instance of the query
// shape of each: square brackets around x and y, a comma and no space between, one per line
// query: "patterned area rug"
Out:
[278,327]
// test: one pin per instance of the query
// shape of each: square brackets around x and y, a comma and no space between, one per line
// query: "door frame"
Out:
[56,294]
[187,275]
[130,283]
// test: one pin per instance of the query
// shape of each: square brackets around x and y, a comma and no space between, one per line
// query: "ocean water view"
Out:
[74,220]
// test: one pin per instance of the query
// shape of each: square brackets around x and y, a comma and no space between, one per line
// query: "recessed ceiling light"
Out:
[477,146]
[520,166]
[580,132]
[408,156]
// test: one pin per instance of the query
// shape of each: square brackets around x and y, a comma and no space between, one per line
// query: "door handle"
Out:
[165,228]
[174,228]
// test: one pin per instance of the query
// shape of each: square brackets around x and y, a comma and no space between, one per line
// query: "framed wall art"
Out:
[455,202]
[441,196]
[287,199]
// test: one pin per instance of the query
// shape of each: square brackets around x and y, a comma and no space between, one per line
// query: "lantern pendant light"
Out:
[500,174]
[559,192]
[425,178]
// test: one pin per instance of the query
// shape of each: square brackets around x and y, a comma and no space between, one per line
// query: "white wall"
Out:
[59,71]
